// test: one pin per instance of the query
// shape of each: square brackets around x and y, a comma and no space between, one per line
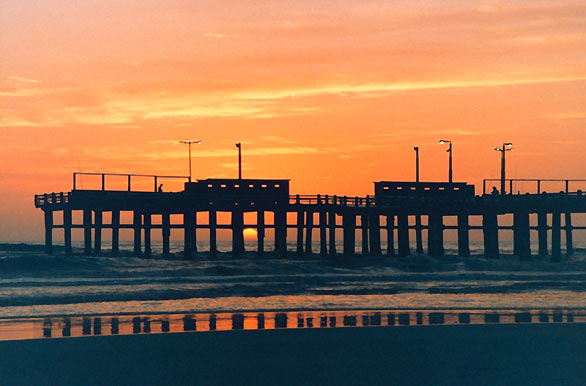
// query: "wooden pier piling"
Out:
[374,234]
[556,253]
[115,232]
[165,232]
[332,231]
[323,219]
[260,232]
[308,232]
[390,234]
[542,233]
[349,227]
[463,236]
[568,230]
[137,226]
[364,229]
[491,235]
[435,235]
[67,220]
[403,235]
[48,231]
[87,231]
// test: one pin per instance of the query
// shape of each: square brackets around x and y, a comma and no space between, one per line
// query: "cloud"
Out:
[22,79]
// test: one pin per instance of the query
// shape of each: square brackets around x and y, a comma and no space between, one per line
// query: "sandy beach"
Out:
[544,354]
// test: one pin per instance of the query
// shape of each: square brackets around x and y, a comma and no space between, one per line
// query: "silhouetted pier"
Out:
[395,208]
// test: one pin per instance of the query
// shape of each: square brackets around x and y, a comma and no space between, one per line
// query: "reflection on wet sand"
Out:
[16,329]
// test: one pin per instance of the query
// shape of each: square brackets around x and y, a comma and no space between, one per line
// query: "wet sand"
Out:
[524,354]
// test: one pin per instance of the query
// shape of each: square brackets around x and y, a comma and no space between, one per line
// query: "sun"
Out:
[250,234]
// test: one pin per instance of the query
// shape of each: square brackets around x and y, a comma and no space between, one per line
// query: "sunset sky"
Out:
[330,94]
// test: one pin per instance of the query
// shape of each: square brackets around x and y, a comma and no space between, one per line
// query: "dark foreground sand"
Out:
[544,354]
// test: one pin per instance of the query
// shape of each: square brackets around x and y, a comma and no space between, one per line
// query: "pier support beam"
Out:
[260,233]
[213,223]
[300,224]
[390,235]
[491,234]
[237,232]
[364,228]
[542,233]
[147,234]
[166,232]
[556,254]
[349,227]
[115,232]
[435,235]
[67,220]
[403,235]
[374,236]
[569,239]
[137,225]
[48,231]
[189,223]
[463,236]
[418,235]
[323,219]
[281,232]
[98,232]
[87,231]
[332,226]
[522,244]
[308,232]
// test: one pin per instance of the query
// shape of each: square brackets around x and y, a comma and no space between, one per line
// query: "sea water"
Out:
[34,284]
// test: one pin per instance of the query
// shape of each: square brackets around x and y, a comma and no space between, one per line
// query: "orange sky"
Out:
[331,94]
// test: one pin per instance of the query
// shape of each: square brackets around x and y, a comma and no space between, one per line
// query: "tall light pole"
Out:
[189,142]
[416,148]
[506,147]
[449,151]
[239,146]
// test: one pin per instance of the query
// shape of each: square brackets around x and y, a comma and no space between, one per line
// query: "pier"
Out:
[393,211]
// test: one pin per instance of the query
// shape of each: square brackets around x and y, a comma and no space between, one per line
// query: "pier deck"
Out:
[388,211]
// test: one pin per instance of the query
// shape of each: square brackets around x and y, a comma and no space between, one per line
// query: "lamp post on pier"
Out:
[189,142]
[506,147]
[442,141]
[416,148]
[239,146]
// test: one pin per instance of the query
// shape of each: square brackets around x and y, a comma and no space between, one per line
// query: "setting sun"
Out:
[249,234]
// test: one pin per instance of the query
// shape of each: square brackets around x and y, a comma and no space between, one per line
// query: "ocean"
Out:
[34,284]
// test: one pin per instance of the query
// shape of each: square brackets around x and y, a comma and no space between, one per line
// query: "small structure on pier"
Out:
[376,214]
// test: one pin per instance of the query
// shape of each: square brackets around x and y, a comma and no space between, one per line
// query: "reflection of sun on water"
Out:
[249,234]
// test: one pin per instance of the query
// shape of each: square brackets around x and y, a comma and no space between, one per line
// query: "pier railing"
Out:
[535,182]
[129,177]
[51,199]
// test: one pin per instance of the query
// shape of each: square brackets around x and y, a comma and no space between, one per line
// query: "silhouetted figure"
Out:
[212,322]
[160,188]
[261,321]
[495,191]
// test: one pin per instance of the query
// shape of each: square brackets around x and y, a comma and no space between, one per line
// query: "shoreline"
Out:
[428,355]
